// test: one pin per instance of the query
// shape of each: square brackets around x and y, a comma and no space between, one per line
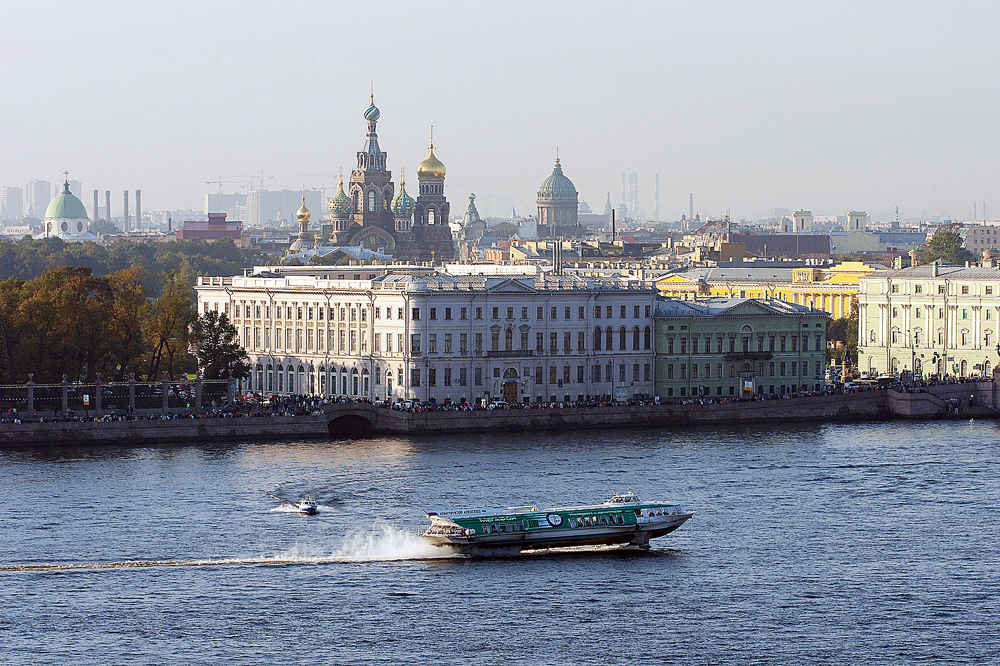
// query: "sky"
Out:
[749,106]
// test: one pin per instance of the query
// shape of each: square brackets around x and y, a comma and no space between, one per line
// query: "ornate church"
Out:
[373,215]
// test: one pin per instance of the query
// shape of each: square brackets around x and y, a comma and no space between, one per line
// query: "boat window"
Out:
[604,520]
[621,519]
[503,528]
[572,522]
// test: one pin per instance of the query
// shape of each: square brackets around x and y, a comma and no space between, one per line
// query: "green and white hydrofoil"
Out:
[623,519]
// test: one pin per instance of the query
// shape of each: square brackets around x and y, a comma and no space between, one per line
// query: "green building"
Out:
[737,347]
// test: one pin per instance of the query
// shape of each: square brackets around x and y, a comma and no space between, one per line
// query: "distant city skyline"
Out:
[751,108]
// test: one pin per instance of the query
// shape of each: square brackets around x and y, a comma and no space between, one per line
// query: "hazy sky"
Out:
[749,105]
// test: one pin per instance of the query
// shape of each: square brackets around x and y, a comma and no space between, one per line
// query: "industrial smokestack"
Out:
[97,199]
[125,214]
[623,188]
[138,210]
[107,205]
[656,197]
[691,207]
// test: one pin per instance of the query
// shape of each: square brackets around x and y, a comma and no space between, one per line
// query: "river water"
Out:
[821,544]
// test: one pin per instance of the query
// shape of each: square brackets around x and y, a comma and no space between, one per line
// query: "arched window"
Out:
[357,203]
[647,338]
[597,339]
[365,386]
[371,202]
[508,339]
[430,216]
[622,338]
[609,339]
[965,337]
[635,338]
[354,381]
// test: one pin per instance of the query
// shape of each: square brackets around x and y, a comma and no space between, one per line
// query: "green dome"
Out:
[557,185]
[340,205]
[66,207]
[403,203]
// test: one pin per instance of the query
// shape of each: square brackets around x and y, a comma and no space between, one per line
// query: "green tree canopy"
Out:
[947,245]
[219,348]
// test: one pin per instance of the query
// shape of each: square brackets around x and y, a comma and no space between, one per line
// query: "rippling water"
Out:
[841,544]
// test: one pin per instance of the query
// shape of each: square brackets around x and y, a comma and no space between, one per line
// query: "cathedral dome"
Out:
[557,186]
[340,205]
[66,207]
[431,167]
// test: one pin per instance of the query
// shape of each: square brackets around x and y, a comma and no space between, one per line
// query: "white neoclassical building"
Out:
[412,333]
[936,319]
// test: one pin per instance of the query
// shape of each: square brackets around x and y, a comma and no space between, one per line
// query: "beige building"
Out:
[933,319]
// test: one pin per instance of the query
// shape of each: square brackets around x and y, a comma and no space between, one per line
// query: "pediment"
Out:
[511,286]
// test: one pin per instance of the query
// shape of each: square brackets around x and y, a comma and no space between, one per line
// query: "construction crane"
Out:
[255,177]
[324,176]
[220,183]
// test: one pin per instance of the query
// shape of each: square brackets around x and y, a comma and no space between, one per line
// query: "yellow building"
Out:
[828,288]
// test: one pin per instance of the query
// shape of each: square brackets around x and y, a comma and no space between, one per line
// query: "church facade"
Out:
[370,213]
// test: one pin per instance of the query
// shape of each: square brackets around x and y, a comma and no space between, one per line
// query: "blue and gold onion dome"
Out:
[403,203]
[557,185]
[340,205]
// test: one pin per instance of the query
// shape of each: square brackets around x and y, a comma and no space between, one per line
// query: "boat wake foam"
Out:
[383,543]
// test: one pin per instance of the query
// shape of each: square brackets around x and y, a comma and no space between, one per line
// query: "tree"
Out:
[167,324]
[103,228]
[845,331]
[947,245]
[219,348]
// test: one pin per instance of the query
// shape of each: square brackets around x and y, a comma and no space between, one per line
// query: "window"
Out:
[989,292]
[431,377]
[635,311]
[415,314]
[415,377]
[553,313]
[464,314]
[524,312]
[447,314]
[647,310]
[567,342]
[463,343]
[477,376]
[597,312]
[621,312]
[510,313]
[566,313]
[918,289]
[463,377]
[399,313]
[553,342]
[495,340]
[940,288]
[579,374]
[538,374]
[608,311]
[447,343]
[496,313]
[539,342]
[479,313]
[965,290]
[539,312]
[415,344]
[581,341]
[581,314]
[447,377]
[597,339]
[434,314]
[895,288]
[479,343]
[670,371]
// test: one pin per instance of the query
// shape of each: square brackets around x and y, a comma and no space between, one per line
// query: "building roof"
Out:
[715,307]
[944,270]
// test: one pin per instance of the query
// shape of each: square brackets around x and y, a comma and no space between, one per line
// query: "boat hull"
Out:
[516,542]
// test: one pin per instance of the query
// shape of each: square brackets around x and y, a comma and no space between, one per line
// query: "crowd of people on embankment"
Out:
[257,406]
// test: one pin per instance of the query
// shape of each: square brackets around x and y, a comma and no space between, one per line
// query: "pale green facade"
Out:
[732,347]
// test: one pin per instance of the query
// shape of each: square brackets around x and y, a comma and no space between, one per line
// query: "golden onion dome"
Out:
[303,213]
[431,167]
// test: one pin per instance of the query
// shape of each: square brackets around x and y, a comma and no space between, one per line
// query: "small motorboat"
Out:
[307,506]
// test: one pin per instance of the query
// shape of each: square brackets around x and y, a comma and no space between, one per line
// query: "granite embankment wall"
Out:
[352,420]
[76,433]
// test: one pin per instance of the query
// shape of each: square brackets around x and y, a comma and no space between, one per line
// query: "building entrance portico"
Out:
[510,386]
